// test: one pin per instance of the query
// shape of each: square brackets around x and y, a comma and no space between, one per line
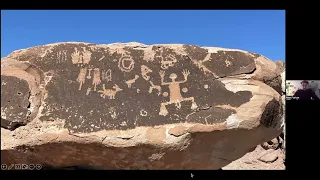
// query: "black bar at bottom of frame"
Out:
[180,174]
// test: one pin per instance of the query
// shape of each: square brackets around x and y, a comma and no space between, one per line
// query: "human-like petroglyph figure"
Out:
[111,93]
[152,86]
[144,72]
[96,78]
[106,75]
[131,81]
[175,94]
[168,62]
[126,64]
[88,91]
[82,77]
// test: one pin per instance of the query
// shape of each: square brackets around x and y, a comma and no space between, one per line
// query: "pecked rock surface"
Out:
[136,106]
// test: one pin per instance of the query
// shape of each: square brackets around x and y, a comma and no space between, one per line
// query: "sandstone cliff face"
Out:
[134,106]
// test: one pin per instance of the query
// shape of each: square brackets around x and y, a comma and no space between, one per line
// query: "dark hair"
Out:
[304,81]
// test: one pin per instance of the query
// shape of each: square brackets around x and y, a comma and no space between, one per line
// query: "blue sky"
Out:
[259,31]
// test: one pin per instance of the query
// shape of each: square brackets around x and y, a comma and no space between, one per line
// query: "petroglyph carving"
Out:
[144,72]
[199,64]
[152,86]
[88,91]
[131,81]
[143,112]
[123,123]
[106,75]
[89,73]
[82,77]
[205,119]
[96,78]
[48,76]
[76,57]
[175,94]
[228,63]
[114,115]
[62,56]
[112,112]
[111,93]
[126,64]
[184,90]
[47,79]
[168,62]
[101,58]
[86,56]
[81,57]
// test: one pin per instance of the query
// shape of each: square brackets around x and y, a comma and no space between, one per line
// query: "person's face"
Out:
[304,85]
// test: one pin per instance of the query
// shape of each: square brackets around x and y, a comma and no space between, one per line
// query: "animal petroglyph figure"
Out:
[131,81]
[111,93]
[82,77]
[106,75]
[96,78]
[175,94]
[126,64]
[152,86]
[170,60]
[144,72]
[202,67]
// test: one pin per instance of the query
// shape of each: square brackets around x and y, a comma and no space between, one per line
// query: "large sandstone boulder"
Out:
[281,65]
[134,106]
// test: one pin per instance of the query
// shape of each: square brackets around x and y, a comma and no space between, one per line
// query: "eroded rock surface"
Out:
[20,92]
[134,106]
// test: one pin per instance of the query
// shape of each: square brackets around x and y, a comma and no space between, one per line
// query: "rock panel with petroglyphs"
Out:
[124,95]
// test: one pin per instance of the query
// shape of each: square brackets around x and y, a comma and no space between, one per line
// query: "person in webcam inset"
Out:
[305,93]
